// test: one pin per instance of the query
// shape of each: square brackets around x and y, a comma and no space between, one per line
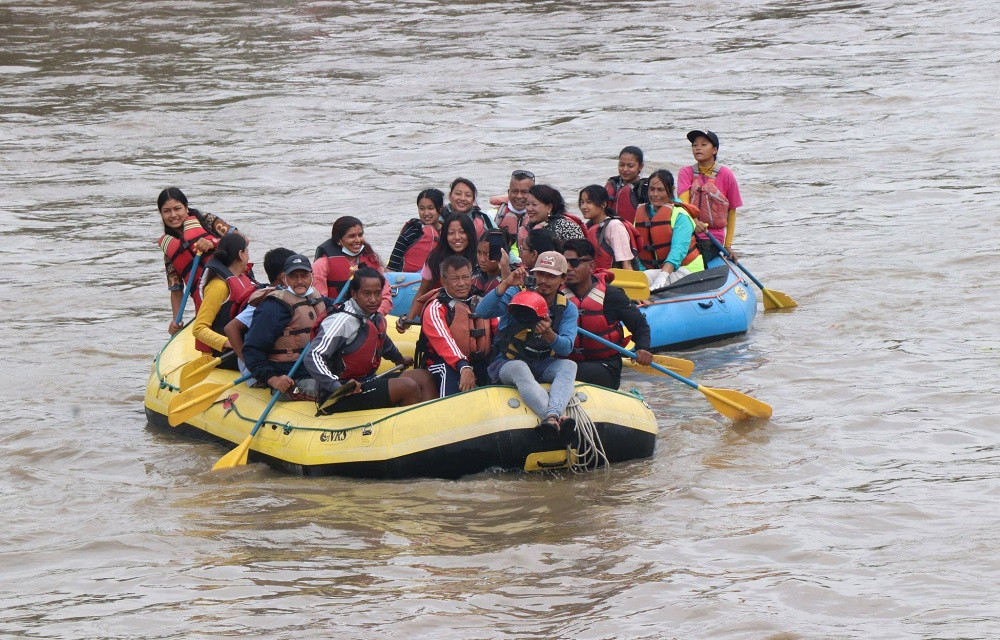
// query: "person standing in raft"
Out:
[281,328]
[534,337]
[340,256]
[712,188]
[458,238]
[612,239]
[603,308]
[454,341]
[511,215]
[274,264]
[186,232]
[547,210]
[626,190]
[350,345]
[419,235]
[228,283]
[669,249]
[462,201]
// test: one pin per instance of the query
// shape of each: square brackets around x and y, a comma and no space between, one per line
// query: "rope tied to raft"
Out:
[590,450]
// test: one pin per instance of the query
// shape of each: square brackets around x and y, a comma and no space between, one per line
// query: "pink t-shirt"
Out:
[726,182]
[620,240]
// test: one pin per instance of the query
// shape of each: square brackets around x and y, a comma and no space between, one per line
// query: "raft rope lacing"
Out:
[589,448]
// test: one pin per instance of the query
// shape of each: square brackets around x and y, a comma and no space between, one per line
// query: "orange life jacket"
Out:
[655,234]
[473,335]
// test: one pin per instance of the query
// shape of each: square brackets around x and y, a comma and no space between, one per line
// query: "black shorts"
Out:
[374,394]
[447,377]
[605,373]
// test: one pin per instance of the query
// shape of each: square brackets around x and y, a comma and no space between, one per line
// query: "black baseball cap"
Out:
[694,135]
[297,262]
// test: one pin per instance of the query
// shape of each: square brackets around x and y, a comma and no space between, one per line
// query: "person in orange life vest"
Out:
[458,237]
[488,273]
[611,238]
[547,209]
[186,232]
[534,337]
[624,189]
[419,235]
[274,264]
[341,255]
[281,328]
[462,201]
[719,203]
[603,308]
[228,282]
[512,215]
[672,251]
[456,343]
[350,345]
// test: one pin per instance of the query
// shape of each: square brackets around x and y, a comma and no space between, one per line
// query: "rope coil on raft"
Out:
[590,450]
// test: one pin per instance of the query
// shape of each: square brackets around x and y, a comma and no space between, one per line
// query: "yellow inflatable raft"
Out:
[486,428]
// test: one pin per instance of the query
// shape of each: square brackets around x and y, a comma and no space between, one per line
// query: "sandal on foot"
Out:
[548,428]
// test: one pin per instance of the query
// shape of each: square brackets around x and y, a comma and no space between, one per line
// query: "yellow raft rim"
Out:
[483,429]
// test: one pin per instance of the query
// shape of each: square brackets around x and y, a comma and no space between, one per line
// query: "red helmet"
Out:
[528,307]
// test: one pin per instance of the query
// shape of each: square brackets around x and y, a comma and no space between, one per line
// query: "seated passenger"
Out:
[228,282]
[274,265]
[547,209]
[610,235]
[625,189]
[186,232]
[535,335]
[454,341]
[350,345]
[281,327]
[488,274]
[344,253]
[669,250]
[419,235]
[458,238]
[462,201]
[603,308]
[512,214]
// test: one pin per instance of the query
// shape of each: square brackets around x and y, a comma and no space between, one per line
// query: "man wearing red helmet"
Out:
[535,335]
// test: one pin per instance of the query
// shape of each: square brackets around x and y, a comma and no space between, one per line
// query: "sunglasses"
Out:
[521,174]
[575,262]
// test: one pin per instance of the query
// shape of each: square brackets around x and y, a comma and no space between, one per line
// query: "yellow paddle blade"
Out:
[680,366]
[187,404]
[235,458]
[777,300]
[634,283]
[736,405]
[197,370]
[343,391]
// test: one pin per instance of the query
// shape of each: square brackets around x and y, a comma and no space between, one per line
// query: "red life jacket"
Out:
[416,255]
[339,265]
[362,356]
[712,204]
[624,198]
[592,319]
[655,234]
[604,256]
[240,289]
[180,252]
[307,313]
[507,219]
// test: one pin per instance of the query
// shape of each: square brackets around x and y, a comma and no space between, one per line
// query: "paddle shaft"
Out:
[631,354]
[187,288]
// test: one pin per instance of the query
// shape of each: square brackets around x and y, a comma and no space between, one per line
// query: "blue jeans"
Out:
[526,376]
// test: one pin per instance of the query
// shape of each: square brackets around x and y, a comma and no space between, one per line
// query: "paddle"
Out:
[348,388]
[635,283]
[198,369]
[680,366]
[188,404]
[772,299]
[187,288]
[729,403]
[238,456]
